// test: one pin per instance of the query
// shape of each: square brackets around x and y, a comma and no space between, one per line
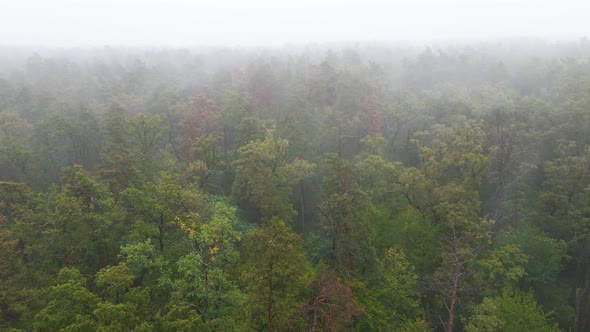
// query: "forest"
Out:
[326,187]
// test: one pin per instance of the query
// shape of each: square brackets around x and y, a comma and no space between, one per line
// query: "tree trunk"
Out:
[450,322]
[455,275]
[315,315]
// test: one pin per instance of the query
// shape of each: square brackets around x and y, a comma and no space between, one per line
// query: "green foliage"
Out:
[563,202]
[115,280]
[250,130]
[452,166]
[445,178]
[390,297]
[147,134]
[344,216]
[156,206]
[374,145]
[18,298]
[379,179]
[14,145]
[409,230]
[114,317]
[265,178]
[143,261]
[546,258]
[181,317]
[15,200]
[274,272]
[503,267]
[207,157]
[511,311]
[64,138]
[202,280]
[69,235]
[70,305]
[566,179]
[117,168]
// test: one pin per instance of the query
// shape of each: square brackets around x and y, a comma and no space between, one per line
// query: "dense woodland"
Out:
[358,187]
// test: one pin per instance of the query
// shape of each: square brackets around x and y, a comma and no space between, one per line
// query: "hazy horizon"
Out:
[177,23]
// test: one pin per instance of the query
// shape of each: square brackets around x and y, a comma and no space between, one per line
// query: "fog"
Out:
[67,23]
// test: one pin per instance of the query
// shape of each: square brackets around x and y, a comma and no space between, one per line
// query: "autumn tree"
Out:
[201,116]
[332,307]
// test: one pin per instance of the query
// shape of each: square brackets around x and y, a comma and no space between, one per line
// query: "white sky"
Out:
[268,22]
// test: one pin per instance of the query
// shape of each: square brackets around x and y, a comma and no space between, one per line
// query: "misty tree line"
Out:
[366,188]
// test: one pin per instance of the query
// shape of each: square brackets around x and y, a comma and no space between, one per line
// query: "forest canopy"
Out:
[331,187]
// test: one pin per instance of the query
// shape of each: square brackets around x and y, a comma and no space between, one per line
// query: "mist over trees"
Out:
[326,187]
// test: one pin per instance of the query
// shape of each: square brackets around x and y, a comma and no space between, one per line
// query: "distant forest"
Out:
[335,187]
